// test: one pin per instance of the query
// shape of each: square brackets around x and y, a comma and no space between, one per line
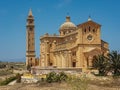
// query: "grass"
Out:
[5,72]
[78,83]
[7,80]
[108,82]
[72,83]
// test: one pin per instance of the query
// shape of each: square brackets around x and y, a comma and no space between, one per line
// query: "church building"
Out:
[74,47]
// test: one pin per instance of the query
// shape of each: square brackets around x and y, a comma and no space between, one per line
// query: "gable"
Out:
[89,23]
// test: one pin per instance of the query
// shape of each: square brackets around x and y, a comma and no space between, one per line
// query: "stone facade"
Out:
[75,45]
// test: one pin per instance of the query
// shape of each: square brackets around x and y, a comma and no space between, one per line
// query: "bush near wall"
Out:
[56,77]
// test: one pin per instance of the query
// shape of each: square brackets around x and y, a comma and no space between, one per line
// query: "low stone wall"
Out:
[38,70]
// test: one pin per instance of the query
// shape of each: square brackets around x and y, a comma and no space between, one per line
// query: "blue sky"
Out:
[49,15]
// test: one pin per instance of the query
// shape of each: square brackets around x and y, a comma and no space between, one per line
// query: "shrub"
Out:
[56,77]
[18,78]
[29,68]
[51,77]
[8,80]
[62,76]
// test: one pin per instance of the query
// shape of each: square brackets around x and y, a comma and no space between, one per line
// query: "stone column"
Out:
[69,59]
[61,59]
[64,58]
[54,60]
[43,60]
[85,62]
[79,57]
[90,58]
[47,53]
[58,57]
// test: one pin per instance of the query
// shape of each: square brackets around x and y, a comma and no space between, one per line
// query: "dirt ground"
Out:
[53,86]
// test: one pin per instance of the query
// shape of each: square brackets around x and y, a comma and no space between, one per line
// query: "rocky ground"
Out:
[53,86]
[95,83]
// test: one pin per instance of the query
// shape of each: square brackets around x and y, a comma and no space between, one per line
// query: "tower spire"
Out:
[30,12]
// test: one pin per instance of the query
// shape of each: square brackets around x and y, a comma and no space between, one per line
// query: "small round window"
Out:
[89,37]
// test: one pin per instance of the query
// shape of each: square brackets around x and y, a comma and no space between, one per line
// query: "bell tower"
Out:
[30,40]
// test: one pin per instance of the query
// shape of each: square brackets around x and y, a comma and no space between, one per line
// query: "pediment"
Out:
[89,23]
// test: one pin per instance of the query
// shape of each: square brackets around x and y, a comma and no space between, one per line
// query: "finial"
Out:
[67,17]
[89,18]
[30,12]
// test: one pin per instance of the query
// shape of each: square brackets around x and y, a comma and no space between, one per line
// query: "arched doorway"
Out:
[89,56]
[74,64]
[51,64]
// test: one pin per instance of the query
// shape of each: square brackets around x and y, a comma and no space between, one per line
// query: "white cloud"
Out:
[62,3]
[38,10]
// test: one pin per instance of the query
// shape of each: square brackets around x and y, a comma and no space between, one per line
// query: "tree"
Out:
[29,68]
[114,61]
[18,76]
[11,67]
[100,62]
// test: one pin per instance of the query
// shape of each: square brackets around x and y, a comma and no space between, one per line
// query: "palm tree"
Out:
[114,61]
[100,62]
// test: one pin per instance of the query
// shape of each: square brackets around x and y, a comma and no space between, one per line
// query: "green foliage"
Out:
[62,76]
[29,68]
[8,80]
[18,78]
[100,62]
[114,60]
[77,83]
[110,63]
[54,77]
[2,65]
[51,77]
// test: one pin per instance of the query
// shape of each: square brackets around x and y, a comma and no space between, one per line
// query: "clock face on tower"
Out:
[89,37]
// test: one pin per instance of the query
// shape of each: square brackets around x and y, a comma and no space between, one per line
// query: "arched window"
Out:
[85,30]
[30,22]
[93,30]
[73,64]
[30,28]
[63,33]
[50,45]
[89,28]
